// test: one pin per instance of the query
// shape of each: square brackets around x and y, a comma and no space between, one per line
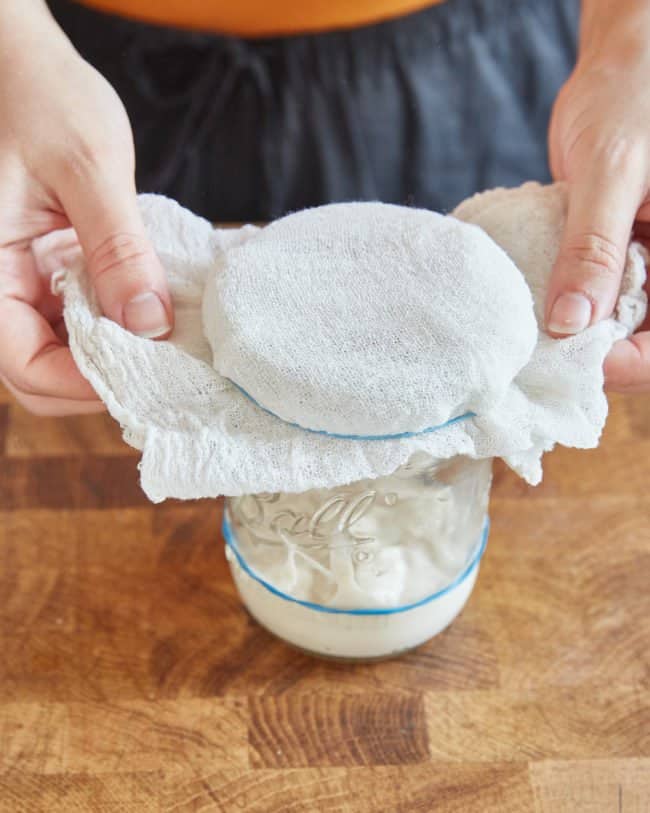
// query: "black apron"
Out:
[423,110]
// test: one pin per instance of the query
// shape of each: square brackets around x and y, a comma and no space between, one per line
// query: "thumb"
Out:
[586,278]
[128,277]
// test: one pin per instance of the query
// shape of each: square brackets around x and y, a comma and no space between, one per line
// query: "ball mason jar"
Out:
[367,570]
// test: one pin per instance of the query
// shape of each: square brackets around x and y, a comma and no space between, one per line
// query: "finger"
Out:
[555,154]
[627,367]
[602,204]
[54,407]
[128,277]
[33,358]
[53,253]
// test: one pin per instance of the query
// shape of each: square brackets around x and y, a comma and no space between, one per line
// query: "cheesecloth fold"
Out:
[331,345]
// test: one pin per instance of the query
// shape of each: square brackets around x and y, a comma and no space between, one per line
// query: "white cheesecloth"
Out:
[331,345]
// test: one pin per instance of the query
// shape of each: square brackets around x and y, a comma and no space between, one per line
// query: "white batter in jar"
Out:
[367,570]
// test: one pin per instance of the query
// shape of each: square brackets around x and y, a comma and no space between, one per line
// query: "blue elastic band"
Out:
[231,542]
[397,436]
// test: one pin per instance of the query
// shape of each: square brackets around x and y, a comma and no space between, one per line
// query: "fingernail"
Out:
[146,316]
[570,314]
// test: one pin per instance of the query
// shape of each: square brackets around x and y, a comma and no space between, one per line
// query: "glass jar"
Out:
[364,571]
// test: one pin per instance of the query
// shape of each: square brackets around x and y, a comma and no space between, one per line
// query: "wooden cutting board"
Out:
[132,680]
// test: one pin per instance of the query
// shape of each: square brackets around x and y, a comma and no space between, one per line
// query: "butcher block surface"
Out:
[131,679]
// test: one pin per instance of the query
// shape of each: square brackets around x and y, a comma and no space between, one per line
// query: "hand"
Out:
[66,159]
[599,142]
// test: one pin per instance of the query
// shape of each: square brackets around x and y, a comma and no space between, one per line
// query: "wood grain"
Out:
[622,786]
[54,437]
[22,792]
[297,730]
[567,724]
[132,680]
[97,738]
[407,789]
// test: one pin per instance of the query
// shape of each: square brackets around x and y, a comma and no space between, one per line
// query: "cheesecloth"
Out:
[331,345]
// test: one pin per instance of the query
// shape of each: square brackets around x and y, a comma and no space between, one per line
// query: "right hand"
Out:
[599,143]
[66,159]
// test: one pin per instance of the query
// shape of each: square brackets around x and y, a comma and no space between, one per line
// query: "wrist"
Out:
[614,33]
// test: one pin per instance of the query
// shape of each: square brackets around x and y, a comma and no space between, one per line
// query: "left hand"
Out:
[599,143]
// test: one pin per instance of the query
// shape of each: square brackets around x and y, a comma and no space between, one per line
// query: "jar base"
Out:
[350,660]
[325,656]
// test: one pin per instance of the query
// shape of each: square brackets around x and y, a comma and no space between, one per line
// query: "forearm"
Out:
[620,28]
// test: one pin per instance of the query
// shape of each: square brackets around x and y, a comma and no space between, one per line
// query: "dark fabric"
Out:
[424,110]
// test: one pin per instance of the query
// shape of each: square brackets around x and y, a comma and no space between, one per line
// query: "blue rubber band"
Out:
[397,436]
[231,542]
